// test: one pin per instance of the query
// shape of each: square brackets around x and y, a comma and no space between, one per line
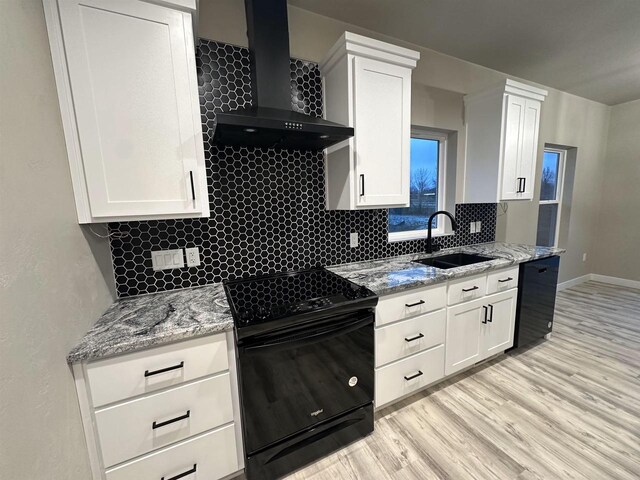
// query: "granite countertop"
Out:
[396,274]
[135,323]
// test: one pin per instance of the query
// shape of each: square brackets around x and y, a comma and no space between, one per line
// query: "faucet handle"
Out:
[435,248]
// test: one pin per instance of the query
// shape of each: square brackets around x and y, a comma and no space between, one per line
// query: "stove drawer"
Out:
[146,371]
[409,375]
[410,303]
[139,426]
[405,338]
[211,455]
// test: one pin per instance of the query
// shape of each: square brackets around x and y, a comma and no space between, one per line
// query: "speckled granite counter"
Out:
[395,274]
[135,323]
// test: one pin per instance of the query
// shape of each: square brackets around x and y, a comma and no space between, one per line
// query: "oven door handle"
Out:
[299,339]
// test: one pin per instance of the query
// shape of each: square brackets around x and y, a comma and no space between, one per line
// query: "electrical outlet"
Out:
[167,259]
[353,239]
[584,257]
[472,227]
[478,227]
[193,256]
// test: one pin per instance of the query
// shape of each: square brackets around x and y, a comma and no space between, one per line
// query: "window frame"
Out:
[559,188]
[427,134]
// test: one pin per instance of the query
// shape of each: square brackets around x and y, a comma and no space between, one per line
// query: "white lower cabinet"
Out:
[463,335]
[409,375]
[479,329]
[208,456]
[139,426]
[167,412]
[426,334]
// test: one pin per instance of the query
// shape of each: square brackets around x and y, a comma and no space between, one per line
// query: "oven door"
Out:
[294,379]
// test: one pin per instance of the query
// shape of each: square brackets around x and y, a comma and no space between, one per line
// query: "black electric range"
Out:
[305,347]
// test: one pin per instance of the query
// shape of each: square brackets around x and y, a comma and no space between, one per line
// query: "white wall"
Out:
[55,278]
[440,82]
[618,221]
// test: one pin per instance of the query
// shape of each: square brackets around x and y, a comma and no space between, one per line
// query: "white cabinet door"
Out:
[529,150]
[497,333]
[382,123]
[132,74]
[513,123]
[463,335]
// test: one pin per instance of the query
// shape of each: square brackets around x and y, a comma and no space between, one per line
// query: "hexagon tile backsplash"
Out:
[267,206]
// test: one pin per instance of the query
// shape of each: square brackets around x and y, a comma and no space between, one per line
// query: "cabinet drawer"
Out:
[409,336]
[502,280]
[129,375]
[466,289]
[421,370]
[127,429]
[212,455]
[411,303]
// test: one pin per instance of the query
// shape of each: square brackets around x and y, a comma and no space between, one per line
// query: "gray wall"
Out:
[440,82]
[55,279]
[619,217]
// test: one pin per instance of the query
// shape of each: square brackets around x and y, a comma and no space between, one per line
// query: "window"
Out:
[427,166]
[552,176]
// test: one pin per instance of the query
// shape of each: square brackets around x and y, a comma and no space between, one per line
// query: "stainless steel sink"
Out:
[453,260]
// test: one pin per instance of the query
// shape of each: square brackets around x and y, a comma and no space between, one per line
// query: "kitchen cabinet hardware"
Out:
[419,374]
[486,309]
[409,305]
[147,373]
[504,280]
[542,270]
[413,339]
[193,190]
[362,184]
[173,420]
[184,474]
[475,287]
[490,313]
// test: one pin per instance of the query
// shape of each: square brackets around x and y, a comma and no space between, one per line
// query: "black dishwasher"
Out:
[537,285]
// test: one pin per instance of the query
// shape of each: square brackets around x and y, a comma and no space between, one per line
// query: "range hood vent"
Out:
[271,122]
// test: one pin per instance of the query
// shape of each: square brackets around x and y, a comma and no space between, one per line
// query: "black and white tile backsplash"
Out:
[267,206]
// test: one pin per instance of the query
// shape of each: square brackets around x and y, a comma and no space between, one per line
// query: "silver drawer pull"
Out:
[414,376]
[173,420]
[184,474]
[508,279]
[475,287]
[417,337]
[409,305]
[147,373]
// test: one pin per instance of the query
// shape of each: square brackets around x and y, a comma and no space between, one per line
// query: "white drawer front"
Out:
[405,338]
[126,430]
[129,375]
[411,303]
[502,280]
[466,289]
[212,455]
[392,384]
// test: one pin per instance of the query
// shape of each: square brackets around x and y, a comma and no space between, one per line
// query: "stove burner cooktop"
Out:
[262,299]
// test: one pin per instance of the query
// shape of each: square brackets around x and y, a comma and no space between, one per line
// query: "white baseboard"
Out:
[574,281]
[622,282]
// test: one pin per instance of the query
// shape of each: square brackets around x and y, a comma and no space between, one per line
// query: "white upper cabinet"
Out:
[367,85]
[126,77]
[502,127]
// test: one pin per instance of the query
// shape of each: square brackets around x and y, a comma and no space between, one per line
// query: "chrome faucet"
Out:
[434,248]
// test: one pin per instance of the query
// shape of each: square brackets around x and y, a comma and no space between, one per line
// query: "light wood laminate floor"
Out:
[566,408]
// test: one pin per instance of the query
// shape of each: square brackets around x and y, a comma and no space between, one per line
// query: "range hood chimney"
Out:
[271,122]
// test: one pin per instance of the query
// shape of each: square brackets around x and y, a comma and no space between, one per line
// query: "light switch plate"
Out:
[478,227]
[193,256]
[353,239]
[472,227]
[167,259]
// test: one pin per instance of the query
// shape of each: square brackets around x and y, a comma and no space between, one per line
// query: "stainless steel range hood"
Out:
[271,122]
